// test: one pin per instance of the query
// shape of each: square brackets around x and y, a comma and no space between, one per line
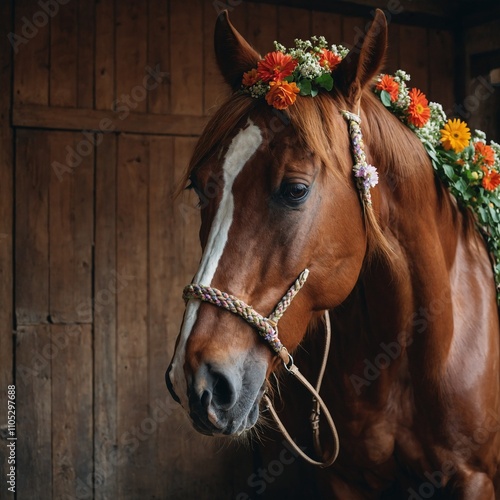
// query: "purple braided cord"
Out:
[366,174]
[267,327]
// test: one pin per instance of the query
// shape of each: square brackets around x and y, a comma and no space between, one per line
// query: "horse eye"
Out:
[294,193]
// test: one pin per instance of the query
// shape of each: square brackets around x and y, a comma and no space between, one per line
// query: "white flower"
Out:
[278,47]
[309,67]
[479,135]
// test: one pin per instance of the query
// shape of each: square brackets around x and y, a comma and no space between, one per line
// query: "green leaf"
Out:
[493,214]
[482,214]
[431,152]
[449,171]
[304,86]
[385,97]
[325,80]
[314,92]
[461,186]
[449,156]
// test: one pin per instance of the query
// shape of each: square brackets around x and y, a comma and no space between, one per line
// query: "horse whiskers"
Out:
[259,431]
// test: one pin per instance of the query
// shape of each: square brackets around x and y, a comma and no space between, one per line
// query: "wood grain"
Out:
[72,460]
[31,49]
[104,295]
[186,59]
[106,121]
[104,75]
[262,28]
[32,228]
[63,56]
[86,56]
[159,55]
[293,23]
[6,228]
[132,312]
[412,57]
[34,411]
[131,54]
[71,225]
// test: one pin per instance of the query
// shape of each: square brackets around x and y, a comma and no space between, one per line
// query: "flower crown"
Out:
[283,74]
[468,166]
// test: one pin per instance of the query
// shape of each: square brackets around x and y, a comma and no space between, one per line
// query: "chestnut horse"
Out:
[412,380]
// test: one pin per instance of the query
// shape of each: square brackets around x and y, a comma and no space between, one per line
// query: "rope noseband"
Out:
[267,327]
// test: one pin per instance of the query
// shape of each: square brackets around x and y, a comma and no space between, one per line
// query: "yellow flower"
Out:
[455,135]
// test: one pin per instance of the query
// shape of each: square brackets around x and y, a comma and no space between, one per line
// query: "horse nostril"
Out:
[206,399]
[224,394]
[213,390]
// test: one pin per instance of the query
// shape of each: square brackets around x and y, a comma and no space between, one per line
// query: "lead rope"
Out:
[318,405]
[268,329]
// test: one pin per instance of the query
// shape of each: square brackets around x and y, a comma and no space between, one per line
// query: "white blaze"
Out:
[241,149]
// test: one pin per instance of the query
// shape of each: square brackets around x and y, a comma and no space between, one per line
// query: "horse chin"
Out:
[233,422]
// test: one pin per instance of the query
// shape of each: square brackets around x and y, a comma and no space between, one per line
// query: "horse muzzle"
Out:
[224,399]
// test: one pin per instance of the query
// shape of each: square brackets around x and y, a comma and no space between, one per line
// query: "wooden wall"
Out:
[93,262]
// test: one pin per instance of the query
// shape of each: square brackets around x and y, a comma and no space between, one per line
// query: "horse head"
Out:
[282,199]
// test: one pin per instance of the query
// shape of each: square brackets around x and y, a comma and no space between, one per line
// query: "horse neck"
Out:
[423,226]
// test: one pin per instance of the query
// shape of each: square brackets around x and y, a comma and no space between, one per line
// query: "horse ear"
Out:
[234,54]
[364,60]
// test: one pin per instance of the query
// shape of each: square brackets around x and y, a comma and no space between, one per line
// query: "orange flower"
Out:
[484,153]
[388,84]
[282,94]
[491,180]
[250,77]
[275,66]
[418,110]
[328,59]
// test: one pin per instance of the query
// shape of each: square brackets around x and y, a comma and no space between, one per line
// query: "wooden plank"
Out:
[132,312]
[293,23]
[72,462]
[131,54]
[34,412]
[104,54]
[71,224]
[190,250]
[407,12]
[106,287]
[392,58]
[6,226]
[159,55]
[353,30]
[105,121]
[32,227]
[63,59]
[186,59]
[441,82]
[164,298]
[327,25]
[413,56]
[31,49]
[262,27]
[85,73]
[483,38]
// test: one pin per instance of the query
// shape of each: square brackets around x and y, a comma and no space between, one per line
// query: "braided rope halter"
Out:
[267,327]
